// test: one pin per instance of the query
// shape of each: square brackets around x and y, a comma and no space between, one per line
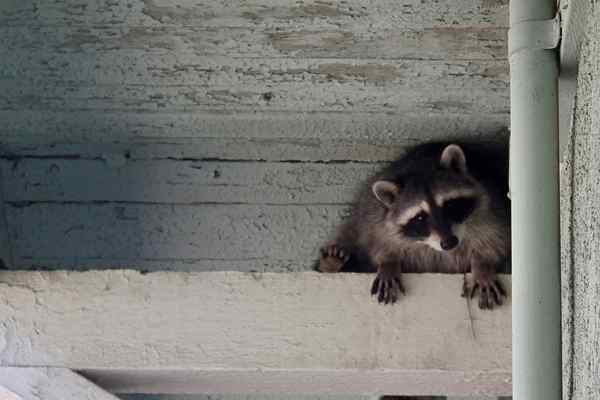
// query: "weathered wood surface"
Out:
[47,384]
[258,13]
[134,206]
[214,236]
[182,182]
[227,329]
[134,68]
[259,85]
[235,135]
[6,251]
[468,29]
[319,384]
[304,40]
[139,56]
[145,106]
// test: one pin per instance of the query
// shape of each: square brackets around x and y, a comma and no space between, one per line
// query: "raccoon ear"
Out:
[386,192]
[454,158]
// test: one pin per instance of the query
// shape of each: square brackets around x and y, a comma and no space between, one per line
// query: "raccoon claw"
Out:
[387,287]
[333,258]
[490,292]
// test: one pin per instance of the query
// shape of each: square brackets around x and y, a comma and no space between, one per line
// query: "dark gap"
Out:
[23,204]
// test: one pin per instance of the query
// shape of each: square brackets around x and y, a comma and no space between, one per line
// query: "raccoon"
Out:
[442,207]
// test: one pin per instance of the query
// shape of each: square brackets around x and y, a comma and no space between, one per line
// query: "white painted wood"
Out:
[441,42]
[121,234]
[375,29]
[259,13]
[6,254]
[173,181]
[323,382]
[254,332]
[197,69]
[478,398]
[247,136]
[266,85]
[175,82]
[48,384]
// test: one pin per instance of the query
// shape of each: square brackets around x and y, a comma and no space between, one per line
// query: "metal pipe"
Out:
[536,318]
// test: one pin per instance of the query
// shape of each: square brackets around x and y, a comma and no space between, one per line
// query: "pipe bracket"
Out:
[534,35]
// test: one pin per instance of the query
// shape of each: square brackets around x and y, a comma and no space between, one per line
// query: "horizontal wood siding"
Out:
[200,116]
[232,332]
[97,235]
[183,182]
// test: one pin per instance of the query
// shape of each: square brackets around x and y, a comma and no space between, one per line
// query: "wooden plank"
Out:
[437,42]
[276,149]
[235,136]
[6,254]
[256,14]
[182,182]
[339,86]
[48,384]
[323,382]
[249,333]
[238,396]
[98,235]
[195,69]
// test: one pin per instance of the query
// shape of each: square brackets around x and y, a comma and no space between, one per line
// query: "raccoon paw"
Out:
[491,291]
[333,258]
[387,287]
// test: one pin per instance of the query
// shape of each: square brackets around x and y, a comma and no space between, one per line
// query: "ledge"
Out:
[232,332]
[47,384]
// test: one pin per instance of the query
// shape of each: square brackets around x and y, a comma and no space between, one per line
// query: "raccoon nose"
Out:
[449,243]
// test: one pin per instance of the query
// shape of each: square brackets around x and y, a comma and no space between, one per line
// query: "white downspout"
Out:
[536,319]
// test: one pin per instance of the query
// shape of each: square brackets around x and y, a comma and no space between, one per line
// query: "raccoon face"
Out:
[431,208]
[440,226]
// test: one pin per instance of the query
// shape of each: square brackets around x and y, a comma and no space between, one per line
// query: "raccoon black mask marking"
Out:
[439,208]
[430,206]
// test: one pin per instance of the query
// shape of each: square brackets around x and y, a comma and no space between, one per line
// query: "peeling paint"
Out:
[282,107]
[494,3]
[300,40]
[365,72]
[81,38]
[177,13]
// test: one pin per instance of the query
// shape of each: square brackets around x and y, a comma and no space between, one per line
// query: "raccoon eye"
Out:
[420,217]
[418,226]
[459,209]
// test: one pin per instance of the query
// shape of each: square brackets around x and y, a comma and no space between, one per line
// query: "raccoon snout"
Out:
[449,243]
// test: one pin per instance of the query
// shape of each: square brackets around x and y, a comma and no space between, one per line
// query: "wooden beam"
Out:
[448,29]
[47,384]
[183,181]
[305,381]
[243,332]
[6,256]
[268,136]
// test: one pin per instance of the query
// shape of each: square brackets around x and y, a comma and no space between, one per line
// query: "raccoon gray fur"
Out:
[441,207]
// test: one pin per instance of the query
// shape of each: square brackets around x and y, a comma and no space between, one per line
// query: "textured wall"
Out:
[201,134]
[580,222]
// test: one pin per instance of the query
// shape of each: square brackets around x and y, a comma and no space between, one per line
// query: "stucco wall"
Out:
[580,220]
